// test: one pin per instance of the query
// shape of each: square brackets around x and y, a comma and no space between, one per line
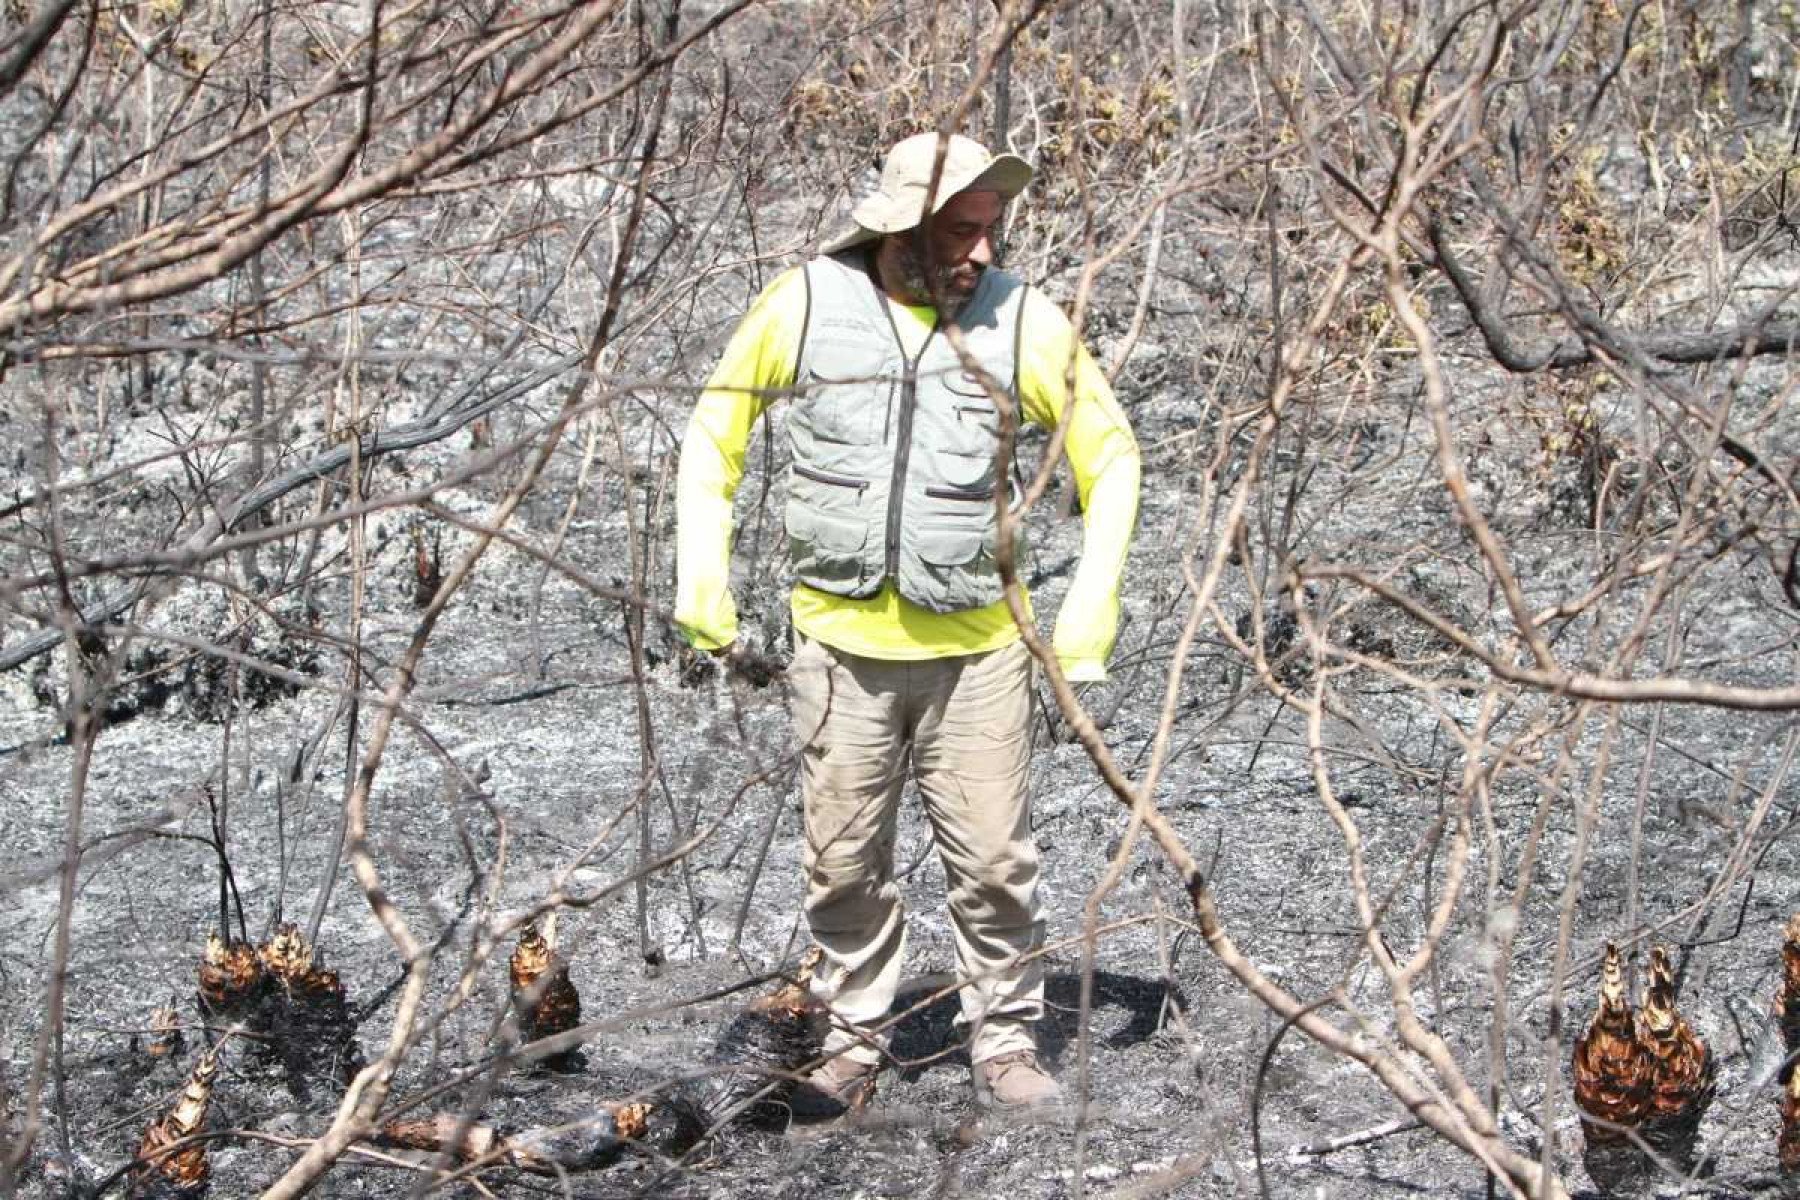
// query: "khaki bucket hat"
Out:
[899,203]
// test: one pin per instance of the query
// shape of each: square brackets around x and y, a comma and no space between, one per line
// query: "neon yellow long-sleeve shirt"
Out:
[759,363]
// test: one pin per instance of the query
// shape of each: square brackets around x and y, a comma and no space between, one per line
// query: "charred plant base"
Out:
[1621,1168]
[754,1062]
[312,1040]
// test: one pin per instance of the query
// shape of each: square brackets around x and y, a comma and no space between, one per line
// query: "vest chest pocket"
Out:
[972,423]
[844,394]
[954,475]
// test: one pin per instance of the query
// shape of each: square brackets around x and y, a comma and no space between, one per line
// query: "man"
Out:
[906,654]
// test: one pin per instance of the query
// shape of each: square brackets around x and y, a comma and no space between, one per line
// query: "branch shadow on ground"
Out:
[1127,1010]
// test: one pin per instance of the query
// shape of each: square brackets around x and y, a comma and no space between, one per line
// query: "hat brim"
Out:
[879,215]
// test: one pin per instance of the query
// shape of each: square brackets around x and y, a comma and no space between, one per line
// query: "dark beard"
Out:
[917,280]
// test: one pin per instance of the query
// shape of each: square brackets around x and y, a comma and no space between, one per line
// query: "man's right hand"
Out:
[755,668]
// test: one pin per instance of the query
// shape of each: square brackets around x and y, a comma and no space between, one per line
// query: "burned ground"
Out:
[1457,637]
[518,773]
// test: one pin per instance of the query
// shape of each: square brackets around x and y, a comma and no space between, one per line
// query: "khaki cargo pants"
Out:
[961,726]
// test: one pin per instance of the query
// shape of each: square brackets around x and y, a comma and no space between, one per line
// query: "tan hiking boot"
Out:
[836,1086]
[1015,1080]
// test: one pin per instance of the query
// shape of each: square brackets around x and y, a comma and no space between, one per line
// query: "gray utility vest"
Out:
[893,458]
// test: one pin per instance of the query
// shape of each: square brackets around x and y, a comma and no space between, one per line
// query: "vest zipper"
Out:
[818,476]
[956,493]
[909,390]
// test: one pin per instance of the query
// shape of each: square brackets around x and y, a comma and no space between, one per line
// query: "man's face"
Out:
[952,249]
